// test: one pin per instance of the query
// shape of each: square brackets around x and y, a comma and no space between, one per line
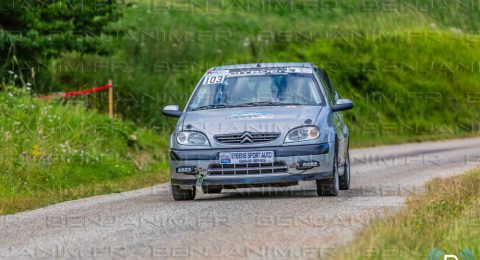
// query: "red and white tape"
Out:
[76,93]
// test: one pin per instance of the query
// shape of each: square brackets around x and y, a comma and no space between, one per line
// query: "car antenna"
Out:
[260,56]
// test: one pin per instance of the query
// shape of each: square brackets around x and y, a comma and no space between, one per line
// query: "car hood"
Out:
[254,119]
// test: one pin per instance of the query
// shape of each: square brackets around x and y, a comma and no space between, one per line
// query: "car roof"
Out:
[265,65]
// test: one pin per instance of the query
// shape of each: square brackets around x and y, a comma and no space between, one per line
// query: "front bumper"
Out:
[286,155]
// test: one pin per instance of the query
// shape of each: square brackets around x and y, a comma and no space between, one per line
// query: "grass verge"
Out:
[53,152]
[446,217]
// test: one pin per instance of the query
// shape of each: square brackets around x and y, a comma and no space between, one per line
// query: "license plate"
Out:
[247,157]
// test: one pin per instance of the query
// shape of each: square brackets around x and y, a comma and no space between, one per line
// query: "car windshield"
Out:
[223,91]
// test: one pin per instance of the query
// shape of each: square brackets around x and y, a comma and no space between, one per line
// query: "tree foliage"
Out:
[34,31]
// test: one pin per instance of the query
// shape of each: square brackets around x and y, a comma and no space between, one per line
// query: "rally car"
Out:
[266,124]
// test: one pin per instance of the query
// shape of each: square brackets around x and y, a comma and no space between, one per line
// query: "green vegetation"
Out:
[53,152]
[33,32]
[405,88]
[413,75]
[445,217]
[410,66]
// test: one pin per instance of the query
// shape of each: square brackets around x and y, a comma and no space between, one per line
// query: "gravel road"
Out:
[249,223]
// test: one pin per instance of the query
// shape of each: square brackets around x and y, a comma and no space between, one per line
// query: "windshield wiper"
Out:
[267,103]
[250,104]
[218,106]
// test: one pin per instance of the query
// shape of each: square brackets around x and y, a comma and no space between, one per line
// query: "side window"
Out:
[332,87]
[325,82]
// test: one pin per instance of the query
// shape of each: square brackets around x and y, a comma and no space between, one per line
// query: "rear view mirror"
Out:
[342,105]
[172,111]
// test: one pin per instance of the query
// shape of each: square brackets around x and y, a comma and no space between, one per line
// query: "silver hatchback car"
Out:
[266,124]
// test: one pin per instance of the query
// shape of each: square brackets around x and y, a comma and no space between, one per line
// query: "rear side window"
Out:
[330,88]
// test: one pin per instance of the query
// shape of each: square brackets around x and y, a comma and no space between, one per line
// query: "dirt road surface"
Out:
[249,223]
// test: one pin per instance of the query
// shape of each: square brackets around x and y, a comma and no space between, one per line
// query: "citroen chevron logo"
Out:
[246,137]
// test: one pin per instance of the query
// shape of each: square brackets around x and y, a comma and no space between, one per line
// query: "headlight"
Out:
[192,138]
[303,133]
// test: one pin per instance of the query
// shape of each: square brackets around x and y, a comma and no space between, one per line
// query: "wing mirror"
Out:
[172,111]
[342,105]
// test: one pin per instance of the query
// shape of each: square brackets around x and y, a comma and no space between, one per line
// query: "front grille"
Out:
[246,138]
[247,168]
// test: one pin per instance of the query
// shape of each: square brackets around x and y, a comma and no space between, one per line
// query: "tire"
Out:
[345,179]
[330,186]
[181,194]
[211,190]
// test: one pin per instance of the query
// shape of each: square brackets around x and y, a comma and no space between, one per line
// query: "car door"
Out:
[337,117]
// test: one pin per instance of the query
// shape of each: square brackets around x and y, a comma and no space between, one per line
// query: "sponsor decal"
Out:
[214,80]
[246,157]
[250,115]
[213,76]
[266,71]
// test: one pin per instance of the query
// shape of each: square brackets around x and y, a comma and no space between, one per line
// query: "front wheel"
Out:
[345,179]
[330,186]
[181,194]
